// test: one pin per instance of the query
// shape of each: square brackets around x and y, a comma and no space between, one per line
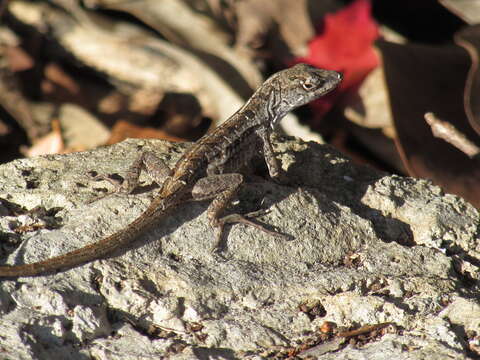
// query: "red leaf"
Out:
[344,44]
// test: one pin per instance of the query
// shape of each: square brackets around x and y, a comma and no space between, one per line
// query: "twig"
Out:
[446,131]
[363,330]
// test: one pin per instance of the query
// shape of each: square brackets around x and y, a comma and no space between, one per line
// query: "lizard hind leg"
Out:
[222,188]
[152,164]
[148,161]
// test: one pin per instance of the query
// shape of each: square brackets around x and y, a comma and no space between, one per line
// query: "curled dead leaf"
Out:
[423,79]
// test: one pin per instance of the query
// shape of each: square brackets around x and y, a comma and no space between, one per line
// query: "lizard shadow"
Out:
[332,174]
[248,200]
[256,197]
[320,167]
[338,180]
[326,169]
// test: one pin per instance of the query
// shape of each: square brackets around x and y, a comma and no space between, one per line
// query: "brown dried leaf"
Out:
[18,59]
[469,38]
[369,106]
[52,143]
[123,130]
[425,79]
[373,127]
[56,78]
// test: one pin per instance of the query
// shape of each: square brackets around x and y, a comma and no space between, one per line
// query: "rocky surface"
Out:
[380,266]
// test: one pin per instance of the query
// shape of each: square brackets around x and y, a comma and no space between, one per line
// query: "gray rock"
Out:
[368,248]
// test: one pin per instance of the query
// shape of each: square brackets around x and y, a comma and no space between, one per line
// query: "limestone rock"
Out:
[367,248]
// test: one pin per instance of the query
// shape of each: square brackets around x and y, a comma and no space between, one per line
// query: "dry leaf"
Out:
[469,38]
[425,79]
[52,143]
[123,130]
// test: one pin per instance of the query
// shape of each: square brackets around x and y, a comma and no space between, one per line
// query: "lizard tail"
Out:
[94,251]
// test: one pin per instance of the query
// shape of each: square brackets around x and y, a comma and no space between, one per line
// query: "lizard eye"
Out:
[307,85]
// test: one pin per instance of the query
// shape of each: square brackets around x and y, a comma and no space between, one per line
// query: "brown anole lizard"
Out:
[210,169]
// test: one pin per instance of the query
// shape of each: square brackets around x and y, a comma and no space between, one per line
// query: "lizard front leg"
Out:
[274,168]
[222,188]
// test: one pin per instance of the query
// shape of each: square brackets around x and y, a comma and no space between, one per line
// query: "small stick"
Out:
[446,131]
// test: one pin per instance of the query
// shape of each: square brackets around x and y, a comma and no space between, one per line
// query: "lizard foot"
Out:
[237,218]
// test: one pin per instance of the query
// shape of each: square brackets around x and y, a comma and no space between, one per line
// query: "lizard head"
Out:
[297,86]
